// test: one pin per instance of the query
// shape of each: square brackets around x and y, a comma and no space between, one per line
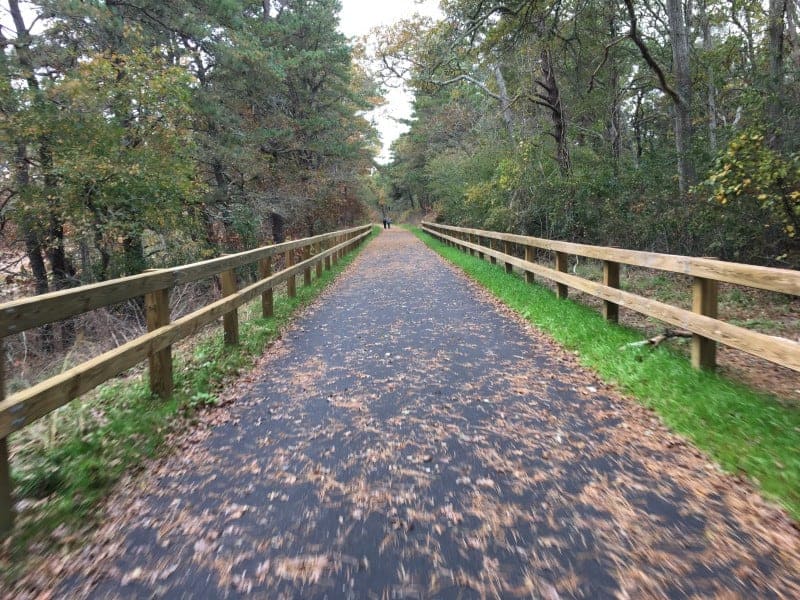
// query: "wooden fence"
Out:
[701,321]
[26,406]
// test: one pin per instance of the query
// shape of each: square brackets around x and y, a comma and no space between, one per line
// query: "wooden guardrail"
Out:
[24,407]
[701,321]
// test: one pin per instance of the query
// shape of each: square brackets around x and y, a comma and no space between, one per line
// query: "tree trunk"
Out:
[508,115]
[62,269]
[683,119]
[637,130]
[614,122]
[711,90]
[775,94]
[791,31]
[553,102]
[33,244]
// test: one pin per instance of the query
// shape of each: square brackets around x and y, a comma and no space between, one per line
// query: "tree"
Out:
[603,98]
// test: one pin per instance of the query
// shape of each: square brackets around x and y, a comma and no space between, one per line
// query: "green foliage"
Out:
[136,135]
[746,432]
[581,130]
[748,171]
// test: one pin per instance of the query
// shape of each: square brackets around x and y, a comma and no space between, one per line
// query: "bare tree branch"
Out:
[606,52]
[480,85]
[633,33]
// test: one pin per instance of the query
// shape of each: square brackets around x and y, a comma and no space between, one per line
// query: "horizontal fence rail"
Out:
[701,321]
[24,407]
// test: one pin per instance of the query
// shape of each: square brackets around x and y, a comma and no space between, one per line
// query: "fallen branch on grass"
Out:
[655,341]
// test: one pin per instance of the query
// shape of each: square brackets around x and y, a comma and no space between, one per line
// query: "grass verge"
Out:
[122,424]
[746,432]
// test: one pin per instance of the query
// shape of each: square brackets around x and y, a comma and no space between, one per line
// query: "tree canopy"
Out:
[138,134]
[669,126]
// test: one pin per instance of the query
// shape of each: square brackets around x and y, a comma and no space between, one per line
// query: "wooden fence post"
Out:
[335,255]
[156,307]
[479,241]
[561,265]
[291,283]
[492,246]
[507,250]
[611,279]
[307,270]
[6,505]
[267,298]
[318,250]
[328,257]
[704,302]
[230,320]
[530,256]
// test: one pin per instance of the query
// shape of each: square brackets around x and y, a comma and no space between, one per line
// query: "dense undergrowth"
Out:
[746,432]
[122,424]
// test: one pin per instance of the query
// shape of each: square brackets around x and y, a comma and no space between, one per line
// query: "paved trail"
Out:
[408,439]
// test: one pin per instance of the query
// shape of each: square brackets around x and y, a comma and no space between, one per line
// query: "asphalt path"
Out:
[409,438]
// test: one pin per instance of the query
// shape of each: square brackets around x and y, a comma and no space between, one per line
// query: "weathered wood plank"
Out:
[530,256]
[267,298]
[779,350]
[327,245]
[561,266]
[704,302]
[291,283]
[214,266]
[26,313]
[307,270]
[26,406]
[156,306]
[784,281]
[611,279]
[230,320]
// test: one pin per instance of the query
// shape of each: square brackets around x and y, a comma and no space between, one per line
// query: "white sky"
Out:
[358,17]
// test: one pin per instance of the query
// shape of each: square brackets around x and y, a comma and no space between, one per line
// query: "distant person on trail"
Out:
[385,223]
[388,223]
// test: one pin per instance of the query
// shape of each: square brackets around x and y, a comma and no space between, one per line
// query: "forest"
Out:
[141,134]
[665,125]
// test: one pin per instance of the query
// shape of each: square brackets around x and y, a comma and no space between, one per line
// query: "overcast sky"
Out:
[358,17]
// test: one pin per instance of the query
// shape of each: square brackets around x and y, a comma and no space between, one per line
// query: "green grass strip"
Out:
[747,432]
[79,470]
